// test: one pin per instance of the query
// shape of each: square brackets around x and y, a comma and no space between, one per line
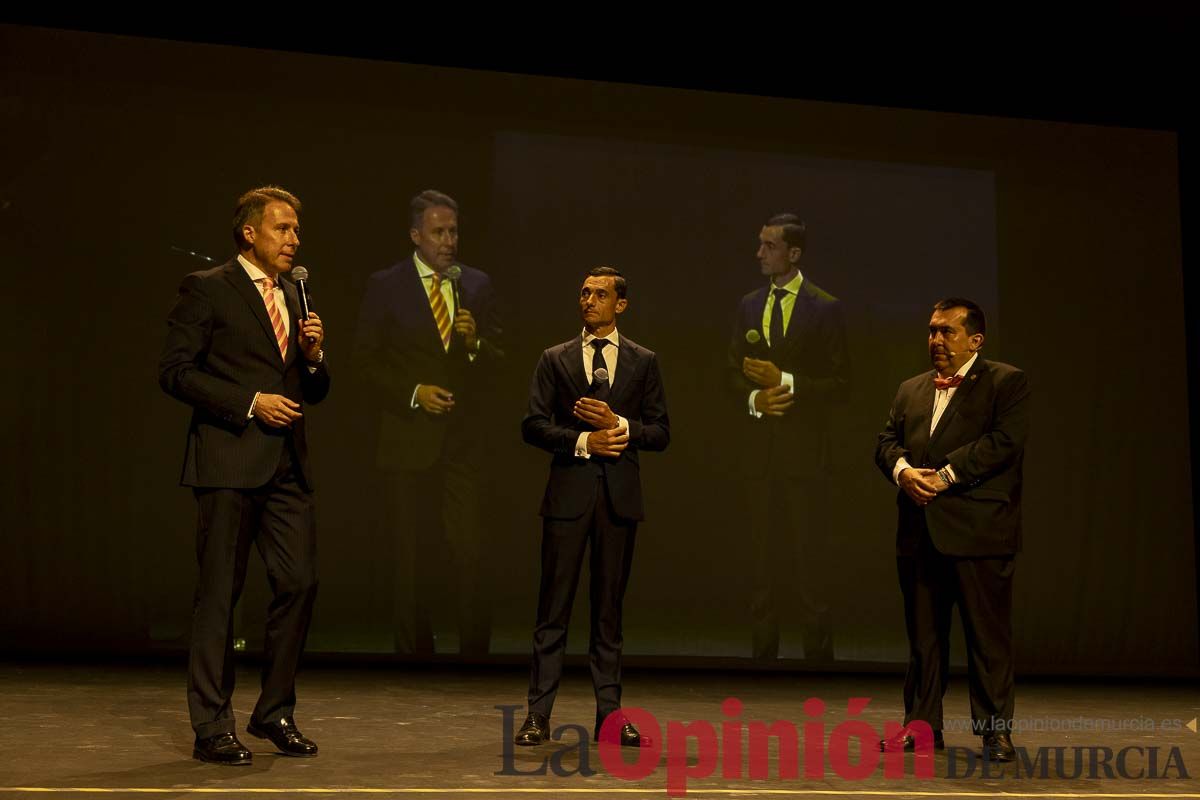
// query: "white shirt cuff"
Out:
[253,403]
[753,411]
[901,465]
[788,381]
[581,450]
[413,402]
[950,471]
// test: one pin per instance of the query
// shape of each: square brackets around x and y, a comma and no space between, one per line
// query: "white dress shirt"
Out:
[941,399]
[447,288]
[258,276]
[610,352]
[787,305]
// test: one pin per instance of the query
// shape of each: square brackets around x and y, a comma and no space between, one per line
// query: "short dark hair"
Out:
[794,229]
[430,198]
[975,321]
[250,206]
[608,272]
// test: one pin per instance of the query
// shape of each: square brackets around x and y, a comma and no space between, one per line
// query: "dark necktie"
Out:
[599,386]
[776,330]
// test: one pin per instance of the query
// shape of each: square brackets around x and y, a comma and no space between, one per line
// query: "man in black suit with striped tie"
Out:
[238,352]
[787,367]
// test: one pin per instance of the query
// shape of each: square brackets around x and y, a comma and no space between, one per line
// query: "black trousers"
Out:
[435,513]
[564,543]
[932,583]
[789,534]
[279,519]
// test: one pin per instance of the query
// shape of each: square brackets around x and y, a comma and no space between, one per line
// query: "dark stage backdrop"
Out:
[120,154]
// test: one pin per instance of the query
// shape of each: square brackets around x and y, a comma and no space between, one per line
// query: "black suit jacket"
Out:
[220,350]
[399,347]
[637,394]
[814,351]
[982,436]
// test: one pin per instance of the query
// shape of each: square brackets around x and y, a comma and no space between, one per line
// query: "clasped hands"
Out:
[608,439]
[922,485]
[774,398]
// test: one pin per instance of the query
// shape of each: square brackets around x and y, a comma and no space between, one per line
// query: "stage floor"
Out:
[437,732]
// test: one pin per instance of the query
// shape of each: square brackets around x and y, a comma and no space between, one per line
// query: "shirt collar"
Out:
[965,368]
[613,338]
[423,269]
[254,272]
[792,286]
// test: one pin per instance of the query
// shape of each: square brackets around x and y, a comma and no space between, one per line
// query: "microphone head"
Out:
[454,272]
[753,336]
[601,375]
[300,274]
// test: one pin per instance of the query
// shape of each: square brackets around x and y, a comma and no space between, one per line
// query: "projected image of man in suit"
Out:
[428,347]
[238,352]
[787,366]
[596,401]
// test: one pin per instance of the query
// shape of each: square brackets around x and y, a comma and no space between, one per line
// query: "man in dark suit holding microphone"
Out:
[596,401]
[429,347]
[240,353]
[954,444]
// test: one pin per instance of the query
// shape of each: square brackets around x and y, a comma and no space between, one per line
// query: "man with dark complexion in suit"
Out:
[596,401]
[239,353]
[954,445]
[429,348]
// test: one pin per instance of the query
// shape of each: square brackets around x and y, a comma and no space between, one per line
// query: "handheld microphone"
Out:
[300,275]
[454,273]
[757,345]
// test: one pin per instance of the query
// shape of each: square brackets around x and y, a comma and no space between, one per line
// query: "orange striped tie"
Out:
[281,336]
[441,314]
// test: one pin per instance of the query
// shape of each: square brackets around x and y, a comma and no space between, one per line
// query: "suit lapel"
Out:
[237,276]
[571,359]
[918,421]
[291,296]
[800,317]
[418,302]
[758,303]
[970,381]
[626,367]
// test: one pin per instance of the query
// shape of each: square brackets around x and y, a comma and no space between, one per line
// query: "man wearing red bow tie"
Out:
[954,444]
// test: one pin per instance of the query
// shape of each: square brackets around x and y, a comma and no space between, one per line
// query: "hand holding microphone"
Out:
[312,331]
[464,321]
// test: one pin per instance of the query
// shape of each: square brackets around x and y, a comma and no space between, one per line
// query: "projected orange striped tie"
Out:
[441,314]
[281,337]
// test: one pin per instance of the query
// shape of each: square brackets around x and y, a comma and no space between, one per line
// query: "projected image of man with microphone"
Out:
[428,347]
[787,366]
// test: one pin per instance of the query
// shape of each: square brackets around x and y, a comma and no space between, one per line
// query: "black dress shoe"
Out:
[535,730]
[626,735]
[906,742]
[285,735]
[998,746]
[224,748]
